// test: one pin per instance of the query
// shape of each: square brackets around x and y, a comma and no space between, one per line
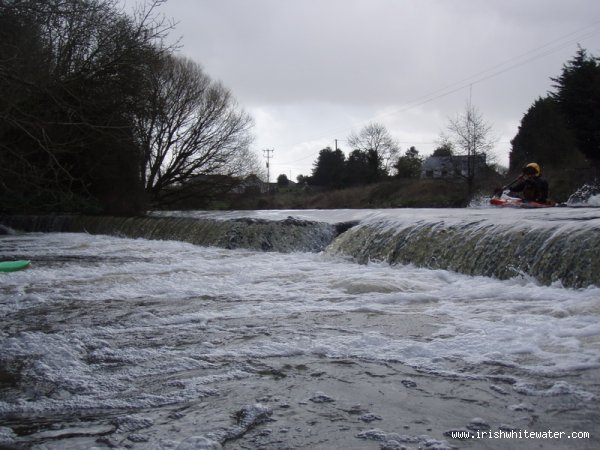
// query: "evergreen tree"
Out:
[409,165]
[363,167]
[376,165]
[578,97]
[444,149]
[328,170]
[357,168]
[283,180]
[544,137]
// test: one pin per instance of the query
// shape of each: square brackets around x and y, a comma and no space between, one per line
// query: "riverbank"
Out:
[390,194]
[394,193]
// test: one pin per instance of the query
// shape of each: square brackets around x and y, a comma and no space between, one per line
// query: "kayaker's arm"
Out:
[499,191]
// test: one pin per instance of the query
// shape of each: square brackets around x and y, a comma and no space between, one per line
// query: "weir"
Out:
[288,235]
[550,254]
[552,248]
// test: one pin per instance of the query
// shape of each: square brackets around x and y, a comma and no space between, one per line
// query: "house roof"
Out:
[449,162]
[439,163]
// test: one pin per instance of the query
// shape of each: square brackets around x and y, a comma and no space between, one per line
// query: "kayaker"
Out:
[531,187]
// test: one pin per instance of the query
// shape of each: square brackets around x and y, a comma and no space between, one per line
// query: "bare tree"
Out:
[471,136]
[71,73]
[191,129]
[376,138]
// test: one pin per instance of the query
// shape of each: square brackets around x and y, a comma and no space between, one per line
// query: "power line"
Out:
[480,77]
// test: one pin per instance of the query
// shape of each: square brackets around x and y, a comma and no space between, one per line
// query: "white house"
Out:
[451,166]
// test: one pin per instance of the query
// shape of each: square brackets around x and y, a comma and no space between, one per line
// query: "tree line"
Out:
[333,169]
[562,129]
[371,160]
[376,154]
[99,114]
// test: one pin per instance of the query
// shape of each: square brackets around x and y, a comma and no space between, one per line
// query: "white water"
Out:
[543,218]
[127,325]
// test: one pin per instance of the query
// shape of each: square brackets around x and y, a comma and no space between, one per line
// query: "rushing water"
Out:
[553,246]
[114,342]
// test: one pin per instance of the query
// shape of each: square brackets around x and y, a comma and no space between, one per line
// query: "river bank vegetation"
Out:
[394,193]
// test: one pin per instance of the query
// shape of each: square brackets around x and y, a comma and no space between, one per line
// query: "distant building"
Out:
[251,185]
[451,167]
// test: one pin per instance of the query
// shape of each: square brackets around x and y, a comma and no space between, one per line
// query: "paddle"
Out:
[498,192]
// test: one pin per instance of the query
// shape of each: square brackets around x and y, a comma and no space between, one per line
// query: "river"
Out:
[122,342]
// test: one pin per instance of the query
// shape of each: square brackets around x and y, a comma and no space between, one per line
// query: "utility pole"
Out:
[268,153]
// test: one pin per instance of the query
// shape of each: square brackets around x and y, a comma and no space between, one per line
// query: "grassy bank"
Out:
[394,193]
[390,194]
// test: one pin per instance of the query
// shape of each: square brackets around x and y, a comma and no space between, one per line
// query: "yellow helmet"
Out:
[532,169]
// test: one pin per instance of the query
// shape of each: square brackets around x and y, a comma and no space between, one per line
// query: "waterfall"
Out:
[552,248]
[568,255]
[286,235]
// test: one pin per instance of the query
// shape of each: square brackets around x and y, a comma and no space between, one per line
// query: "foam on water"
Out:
[156,308]
[594,200]
[538,218]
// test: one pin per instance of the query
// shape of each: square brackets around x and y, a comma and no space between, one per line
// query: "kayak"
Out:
[518,203]
[13,266]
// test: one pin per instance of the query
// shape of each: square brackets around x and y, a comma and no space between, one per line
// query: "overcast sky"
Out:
[312,71]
